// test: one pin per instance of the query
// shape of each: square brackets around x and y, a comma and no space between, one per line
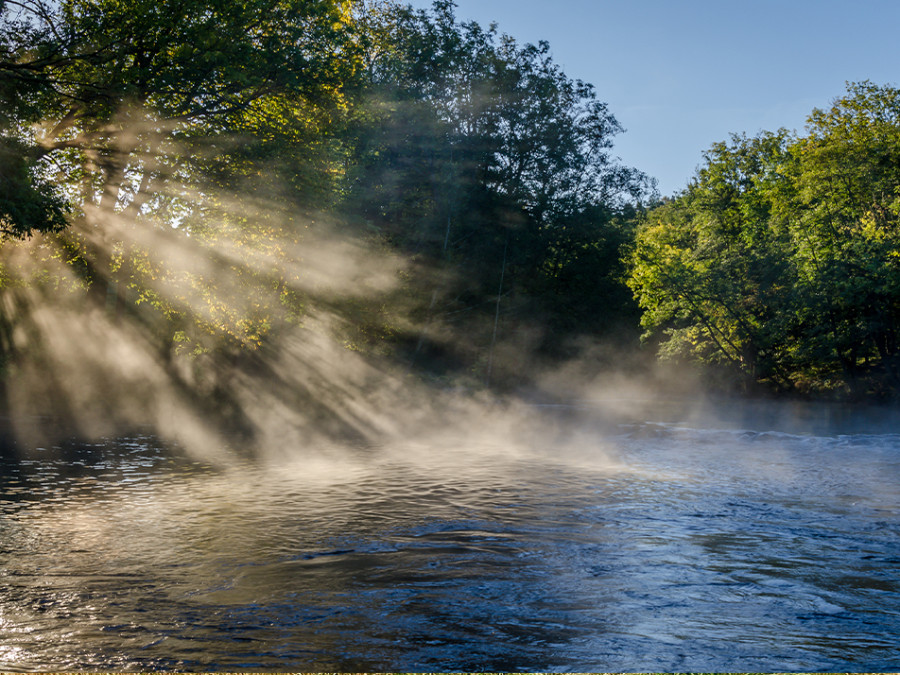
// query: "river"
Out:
[645,544]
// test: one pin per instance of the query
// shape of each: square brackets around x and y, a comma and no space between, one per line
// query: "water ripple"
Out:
[699,549]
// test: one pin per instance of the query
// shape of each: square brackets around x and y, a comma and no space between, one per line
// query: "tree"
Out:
[119,94]
[781,256]
[482,158]
[845,228]
[708,267]
[28,202]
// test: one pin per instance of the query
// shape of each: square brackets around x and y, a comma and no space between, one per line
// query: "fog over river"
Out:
[754,540]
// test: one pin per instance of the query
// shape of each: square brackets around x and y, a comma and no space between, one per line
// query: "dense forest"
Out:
[213,175]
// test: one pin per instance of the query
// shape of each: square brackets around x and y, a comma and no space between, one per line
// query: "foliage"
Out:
[28,202]
[179,151]
[176,153]
[121,94]
[781,257]
[127,120]
[480,157]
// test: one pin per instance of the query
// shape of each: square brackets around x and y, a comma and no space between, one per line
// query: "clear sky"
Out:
[680,75]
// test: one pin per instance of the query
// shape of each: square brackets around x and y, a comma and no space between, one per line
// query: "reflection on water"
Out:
[697,549]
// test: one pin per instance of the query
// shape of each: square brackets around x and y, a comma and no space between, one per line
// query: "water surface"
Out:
[646,545]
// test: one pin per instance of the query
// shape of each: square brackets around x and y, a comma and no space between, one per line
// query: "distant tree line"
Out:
[231,126]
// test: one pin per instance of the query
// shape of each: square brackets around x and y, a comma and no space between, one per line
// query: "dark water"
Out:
[651,546]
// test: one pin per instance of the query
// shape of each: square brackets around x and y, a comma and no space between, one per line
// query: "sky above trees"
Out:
[680,76]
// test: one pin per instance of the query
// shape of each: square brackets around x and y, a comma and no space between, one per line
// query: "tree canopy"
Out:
[781,257]
[112,97]
[176,161]
[480,155]
[176,155]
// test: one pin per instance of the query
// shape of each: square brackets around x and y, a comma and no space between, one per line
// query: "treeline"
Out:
[176,161]
[781,260]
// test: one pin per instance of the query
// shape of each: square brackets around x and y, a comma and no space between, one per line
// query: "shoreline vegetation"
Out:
[314,198]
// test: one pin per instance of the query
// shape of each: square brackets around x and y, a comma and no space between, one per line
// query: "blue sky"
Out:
[680,75]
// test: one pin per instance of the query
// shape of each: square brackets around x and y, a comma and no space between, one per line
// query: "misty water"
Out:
[661,542]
